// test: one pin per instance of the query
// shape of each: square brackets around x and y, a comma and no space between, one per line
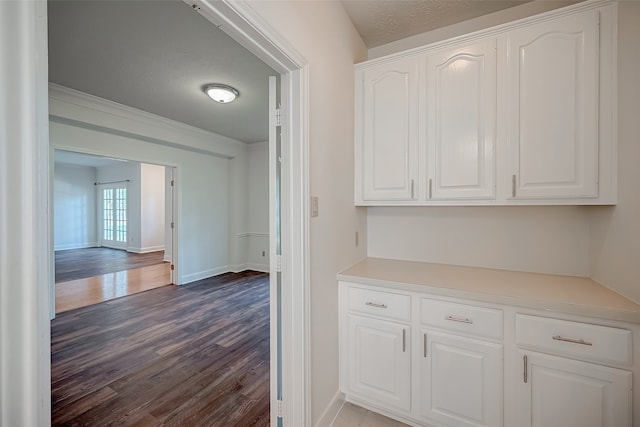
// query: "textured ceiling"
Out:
[155,56]
[385,21]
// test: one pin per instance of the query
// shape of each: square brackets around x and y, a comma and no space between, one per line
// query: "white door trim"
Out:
[26,243]
[240,21]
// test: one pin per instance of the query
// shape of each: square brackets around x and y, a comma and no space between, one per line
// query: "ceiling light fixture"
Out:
[220,93]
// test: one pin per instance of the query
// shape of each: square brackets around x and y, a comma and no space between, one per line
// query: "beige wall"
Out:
[615,231]
[544,239]
[323,34]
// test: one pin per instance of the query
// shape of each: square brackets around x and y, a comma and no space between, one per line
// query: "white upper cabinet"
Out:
[387,131]
[460,122]
[553,108]
[523,113]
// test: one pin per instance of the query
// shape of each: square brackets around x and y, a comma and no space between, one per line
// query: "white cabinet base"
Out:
[378,362]
[461,380]
[561,392]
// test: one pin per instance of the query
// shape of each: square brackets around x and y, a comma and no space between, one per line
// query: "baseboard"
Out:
[264,268]
[75,246]
[332,410]
[188,278]
[237,268]
[146,250]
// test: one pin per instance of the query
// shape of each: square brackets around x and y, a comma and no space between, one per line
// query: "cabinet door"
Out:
[559,392]
[378,362]
[389,130]
[553,108]
[461,121]
[460,380]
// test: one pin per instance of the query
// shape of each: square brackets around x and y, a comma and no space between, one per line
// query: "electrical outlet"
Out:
[314,206]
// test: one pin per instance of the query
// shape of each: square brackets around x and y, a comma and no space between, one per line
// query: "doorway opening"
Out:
[32,371]
[112,222]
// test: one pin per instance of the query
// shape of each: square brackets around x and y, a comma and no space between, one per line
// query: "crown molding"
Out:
[70,105]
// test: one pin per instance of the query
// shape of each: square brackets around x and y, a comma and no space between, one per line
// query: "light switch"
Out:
[314,206]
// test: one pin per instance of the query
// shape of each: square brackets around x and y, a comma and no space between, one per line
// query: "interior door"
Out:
[275,239]
[114,214]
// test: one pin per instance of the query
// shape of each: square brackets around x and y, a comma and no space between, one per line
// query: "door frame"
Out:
[238,20]
[25,348]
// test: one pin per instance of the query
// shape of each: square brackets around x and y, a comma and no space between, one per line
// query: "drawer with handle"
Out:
[575,339]
[384,304]
[479,321]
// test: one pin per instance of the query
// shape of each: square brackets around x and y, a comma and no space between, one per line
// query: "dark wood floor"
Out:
[196,355]
[76,264]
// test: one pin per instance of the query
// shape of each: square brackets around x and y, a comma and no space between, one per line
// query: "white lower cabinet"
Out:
[562,392]
[460,380]
[441,361]
[379,362]
[567,389]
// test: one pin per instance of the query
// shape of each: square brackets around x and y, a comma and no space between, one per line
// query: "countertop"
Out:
[556,293]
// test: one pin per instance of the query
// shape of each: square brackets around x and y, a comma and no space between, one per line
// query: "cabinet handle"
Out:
[580,341]
[373,304]
[459,319]
[513,185]
[430,187]
[425,345]
[412,189]
[404,340]
[524,358]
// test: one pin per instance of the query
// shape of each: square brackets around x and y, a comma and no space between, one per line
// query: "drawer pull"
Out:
[459,319]
[373,304]
[404,340]
[580,341]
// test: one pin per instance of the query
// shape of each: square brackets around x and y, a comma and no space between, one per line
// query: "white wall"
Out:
[550,239]
[152,207]
[74,199]
[258,206]
[238,186]
[615,250]
[323,34]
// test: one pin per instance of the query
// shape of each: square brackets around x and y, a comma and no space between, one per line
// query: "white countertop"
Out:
[566,294]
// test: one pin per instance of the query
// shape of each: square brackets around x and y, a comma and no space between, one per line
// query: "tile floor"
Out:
[354,416]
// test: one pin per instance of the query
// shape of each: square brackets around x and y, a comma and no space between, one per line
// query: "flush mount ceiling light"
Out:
[220,93]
